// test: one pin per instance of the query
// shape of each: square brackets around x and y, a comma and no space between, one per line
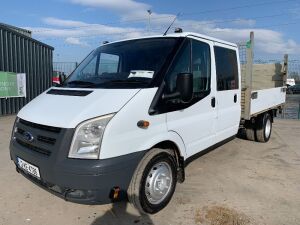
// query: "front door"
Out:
[193,121]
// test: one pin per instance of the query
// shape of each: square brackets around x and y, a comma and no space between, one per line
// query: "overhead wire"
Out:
[172,16]
[200,23]
[169,16]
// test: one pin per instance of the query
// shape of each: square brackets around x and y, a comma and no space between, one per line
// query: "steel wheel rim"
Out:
[158,183]
[268,128]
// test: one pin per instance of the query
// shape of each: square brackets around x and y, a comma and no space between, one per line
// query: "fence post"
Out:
[248,78]
[299,111]
[285,69]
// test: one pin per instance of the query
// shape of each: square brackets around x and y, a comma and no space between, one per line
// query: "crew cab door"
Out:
[228,91]
[193,121]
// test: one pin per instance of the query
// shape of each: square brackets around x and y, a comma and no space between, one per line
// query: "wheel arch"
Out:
[169,141]
[175,143]
[168,145]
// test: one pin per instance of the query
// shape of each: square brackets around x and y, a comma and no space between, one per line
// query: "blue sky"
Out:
[75,27]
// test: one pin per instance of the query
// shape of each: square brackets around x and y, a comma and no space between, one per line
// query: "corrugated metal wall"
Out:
[21,54]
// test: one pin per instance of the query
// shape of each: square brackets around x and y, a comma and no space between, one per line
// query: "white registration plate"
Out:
[29,168]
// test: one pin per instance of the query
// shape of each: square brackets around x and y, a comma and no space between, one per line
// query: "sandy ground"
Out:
[239,183]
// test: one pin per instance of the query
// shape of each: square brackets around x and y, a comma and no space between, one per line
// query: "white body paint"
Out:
[192,129]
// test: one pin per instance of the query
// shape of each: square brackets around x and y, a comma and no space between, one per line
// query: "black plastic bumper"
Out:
[76,180]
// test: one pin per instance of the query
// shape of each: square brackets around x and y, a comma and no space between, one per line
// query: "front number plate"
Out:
[27,167]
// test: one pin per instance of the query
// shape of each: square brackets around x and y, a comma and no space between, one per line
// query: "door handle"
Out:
[213,102]
[235,98]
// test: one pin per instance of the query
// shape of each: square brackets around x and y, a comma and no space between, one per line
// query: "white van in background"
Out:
[290,81]
[125,123]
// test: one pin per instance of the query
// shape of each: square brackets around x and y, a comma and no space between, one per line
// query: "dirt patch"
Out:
[220,215]
[183,200]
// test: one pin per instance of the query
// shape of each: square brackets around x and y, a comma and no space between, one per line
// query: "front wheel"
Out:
[154,181]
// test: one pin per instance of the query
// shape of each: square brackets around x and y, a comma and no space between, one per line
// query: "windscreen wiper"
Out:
[82,83]
[129,81]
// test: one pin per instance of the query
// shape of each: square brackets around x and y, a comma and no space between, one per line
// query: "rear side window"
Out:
[226,68]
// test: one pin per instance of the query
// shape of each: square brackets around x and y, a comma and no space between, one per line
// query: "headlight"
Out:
[87,138]
[15,129]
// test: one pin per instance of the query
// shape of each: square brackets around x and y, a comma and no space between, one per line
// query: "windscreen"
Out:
[127,64]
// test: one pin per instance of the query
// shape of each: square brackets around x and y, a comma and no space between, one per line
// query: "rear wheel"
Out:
[264,128]
[154,181]
[250,134]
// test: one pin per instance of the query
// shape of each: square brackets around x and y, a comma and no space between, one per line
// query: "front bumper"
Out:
[76,180]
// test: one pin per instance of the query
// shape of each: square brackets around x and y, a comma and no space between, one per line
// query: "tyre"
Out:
[154,181]
[250,134]
[264,128]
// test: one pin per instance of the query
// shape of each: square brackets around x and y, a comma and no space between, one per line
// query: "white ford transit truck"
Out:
[125,123]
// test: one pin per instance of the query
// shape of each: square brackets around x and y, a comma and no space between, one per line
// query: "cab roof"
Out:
[182,34]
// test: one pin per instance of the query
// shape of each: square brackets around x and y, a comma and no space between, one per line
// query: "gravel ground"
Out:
[239,183]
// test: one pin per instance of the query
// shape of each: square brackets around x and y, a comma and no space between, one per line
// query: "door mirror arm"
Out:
[167,97]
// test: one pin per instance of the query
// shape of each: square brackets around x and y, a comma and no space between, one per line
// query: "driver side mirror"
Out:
[184,88]
[184,85]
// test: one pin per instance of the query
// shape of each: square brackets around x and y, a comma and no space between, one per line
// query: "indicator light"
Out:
[143,124]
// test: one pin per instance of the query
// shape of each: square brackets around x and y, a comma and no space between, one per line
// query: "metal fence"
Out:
[22,54]
[65,67]
[291,109]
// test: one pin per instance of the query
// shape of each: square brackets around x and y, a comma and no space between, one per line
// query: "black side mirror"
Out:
[184,86]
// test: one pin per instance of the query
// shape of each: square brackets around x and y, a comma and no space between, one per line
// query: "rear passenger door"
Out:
[228,91]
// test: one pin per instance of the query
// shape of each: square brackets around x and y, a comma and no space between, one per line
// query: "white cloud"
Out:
[127,7]
[266,41]
[62,23]
[75,41]
[78,32]
[85,30]
[244,22]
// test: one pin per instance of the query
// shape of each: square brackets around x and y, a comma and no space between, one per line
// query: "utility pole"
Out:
[149,15]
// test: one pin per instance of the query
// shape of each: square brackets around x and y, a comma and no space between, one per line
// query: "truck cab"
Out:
[126,121]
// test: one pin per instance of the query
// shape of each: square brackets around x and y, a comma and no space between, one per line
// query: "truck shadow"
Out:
[242,134]
[118,215]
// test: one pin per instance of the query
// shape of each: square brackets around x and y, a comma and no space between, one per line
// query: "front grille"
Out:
[38,138]
[34,148]
[39,126]
[47,140]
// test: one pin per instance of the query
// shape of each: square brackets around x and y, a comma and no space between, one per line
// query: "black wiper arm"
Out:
[81,82]
[128,81]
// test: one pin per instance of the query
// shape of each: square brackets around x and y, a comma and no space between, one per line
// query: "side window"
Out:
[194,57]
[226,68]
[181,64]
[200,66]
[197,63]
